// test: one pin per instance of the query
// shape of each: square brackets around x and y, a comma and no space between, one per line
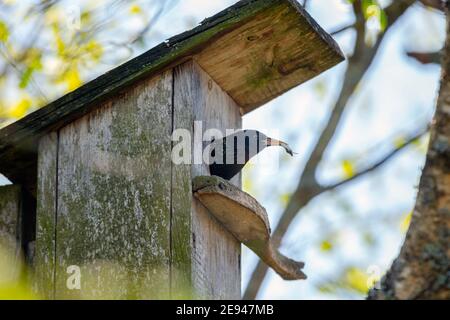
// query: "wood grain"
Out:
[215,253]
[247,220]
[112,203]
[275,51]
[114,180]
[9,214]
[10,233]
[46,215]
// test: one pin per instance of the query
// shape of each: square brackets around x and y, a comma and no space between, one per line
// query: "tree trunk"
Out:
[422,269]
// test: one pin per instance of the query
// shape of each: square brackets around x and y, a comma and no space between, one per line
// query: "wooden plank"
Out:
[10,233]
[181,220]
[10,197]
[44,259]
[215,253]
[247,220]
[253,68]
[114,179]
[279,48]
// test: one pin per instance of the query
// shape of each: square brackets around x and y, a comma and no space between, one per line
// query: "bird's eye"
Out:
[213,153]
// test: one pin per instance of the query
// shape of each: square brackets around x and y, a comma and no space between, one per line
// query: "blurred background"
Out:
[343,204]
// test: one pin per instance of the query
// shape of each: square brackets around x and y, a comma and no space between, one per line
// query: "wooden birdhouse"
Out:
[98,207]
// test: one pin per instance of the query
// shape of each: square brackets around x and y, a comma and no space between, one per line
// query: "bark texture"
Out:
[422,269]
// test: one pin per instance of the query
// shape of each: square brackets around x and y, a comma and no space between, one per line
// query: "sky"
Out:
[396,97]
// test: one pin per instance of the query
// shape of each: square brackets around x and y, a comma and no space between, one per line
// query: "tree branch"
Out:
[305,3]
[308,187]
[261,267]
[435,4]
[426,57]
[421,270]
[379,163]
[342,29]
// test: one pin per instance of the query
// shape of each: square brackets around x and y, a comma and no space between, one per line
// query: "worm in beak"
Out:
[275,142]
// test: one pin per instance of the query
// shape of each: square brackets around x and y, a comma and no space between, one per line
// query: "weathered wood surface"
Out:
[113,214]
[247,220]
[10,232]
[10,196]
[112,203]
[215,253]
[276,50]
[44,259]
[112,198]
[255,67]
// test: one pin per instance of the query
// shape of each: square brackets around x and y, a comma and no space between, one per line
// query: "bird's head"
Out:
[275,142]
[266,141]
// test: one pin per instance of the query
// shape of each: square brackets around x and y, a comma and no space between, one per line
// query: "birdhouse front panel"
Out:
[112,203]
[111,197]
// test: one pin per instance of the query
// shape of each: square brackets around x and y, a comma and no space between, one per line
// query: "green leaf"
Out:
[20,109]
[72,78]
[26,77]
[406,221]
[284,198]
[369,238]
[326,246]
[383,20]
[4,32]
[320,88]
[247,183]
[94,49]
[399,142]
[348,168]
[366,7]
[85,18]
[357,280]
[135,9]
[60,45]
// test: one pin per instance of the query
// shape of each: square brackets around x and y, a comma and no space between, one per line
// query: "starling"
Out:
[229,155]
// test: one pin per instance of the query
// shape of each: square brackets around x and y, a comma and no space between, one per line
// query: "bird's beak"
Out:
[275,142]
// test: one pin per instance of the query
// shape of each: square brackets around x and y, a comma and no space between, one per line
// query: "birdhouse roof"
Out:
[255,50]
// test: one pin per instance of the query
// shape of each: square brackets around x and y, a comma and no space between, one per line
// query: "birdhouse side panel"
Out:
[10,232]
[201,104]
[9,213]
[44,259]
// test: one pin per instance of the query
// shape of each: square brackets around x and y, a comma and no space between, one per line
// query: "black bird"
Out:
[229,155]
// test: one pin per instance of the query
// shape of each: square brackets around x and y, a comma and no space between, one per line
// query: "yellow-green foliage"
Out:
[66,44]
[13,282]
